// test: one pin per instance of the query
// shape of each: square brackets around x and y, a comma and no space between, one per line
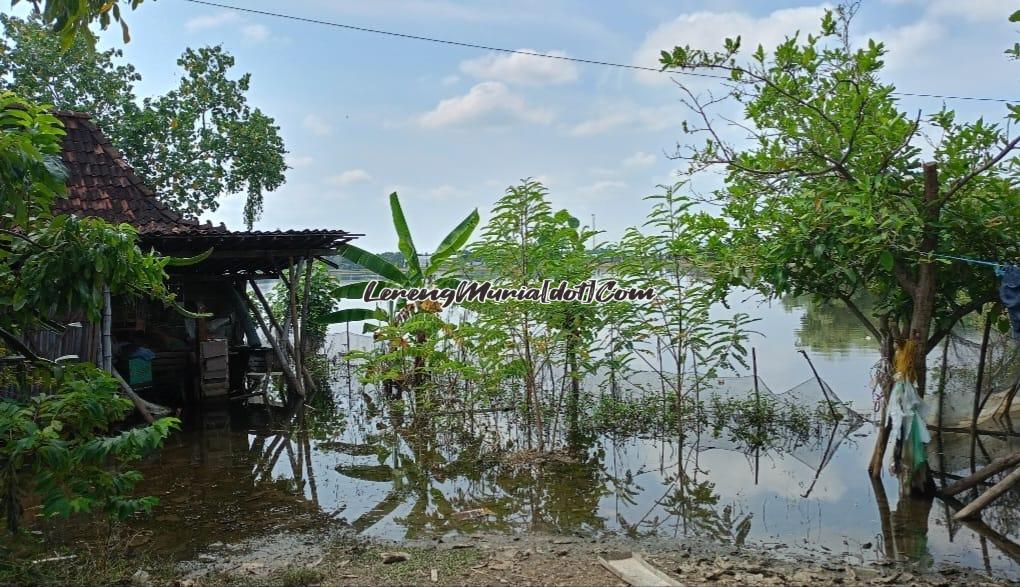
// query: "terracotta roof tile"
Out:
[101,183]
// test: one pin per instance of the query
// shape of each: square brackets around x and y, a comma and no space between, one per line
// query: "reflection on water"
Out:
[230,476]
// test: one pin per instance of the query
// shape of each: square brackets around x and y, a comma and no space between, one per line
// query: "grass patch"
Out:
[450,563]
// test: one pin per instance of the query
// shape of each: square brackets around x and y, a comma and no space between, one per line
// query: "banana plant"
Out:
[415,275]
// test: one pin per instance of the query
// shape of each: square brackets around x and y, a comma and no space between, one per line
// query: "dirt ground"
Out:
[544,560]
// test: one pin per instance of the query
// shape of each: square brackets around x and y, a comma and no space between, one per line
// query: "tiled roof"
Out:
[101,183]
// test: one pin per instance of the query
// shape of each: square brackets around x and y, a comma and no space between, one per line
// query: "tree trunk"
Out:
[919,481]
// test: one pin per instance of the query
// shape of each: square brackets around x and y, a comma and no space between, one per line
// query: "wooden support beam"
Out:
[139,402]
[294,318]
[997,466]
[283,336]
[309,265]
[280,354]
[993,493]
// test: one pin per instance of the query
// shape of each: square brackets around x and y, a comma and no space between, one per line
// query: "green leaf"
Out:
[351,291]
[404,242]
[453,242]
[1015,17]
[373,263]
[187,261]
[886,259]
[349,315]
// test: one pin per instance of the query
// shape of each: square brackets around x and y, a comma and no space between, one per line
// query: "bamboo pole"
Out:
[280,355]
[295,322]
[997,466]
[107,338]
[309,265]
[993,493]
[821,385]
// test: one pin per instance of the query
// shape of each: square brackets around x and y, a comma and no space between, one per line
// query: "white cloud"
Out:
[349,177]
[297,161]
[908,45]
[486,104]
[251,32]
[639,160]
[516,68]
[635,118]
[706,30]
[318,125]
[599,189]
[211,21]
[255,32]
[450,80]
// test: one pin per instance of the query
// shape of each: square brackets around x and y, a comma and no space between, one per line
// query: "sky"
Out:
[449,128]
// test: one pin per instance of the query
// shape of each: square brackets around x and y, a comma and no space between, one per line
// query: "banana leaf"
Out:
[453,241]
[351,291]
[349,315]
[186,261]
[373,263]
[404,242]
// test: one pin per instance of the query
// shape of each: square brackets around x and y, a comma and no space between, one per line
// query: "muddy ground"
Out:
[292,559]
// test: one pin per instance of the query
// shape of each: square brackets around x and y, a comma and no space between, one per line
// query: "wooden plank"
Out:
[636,571]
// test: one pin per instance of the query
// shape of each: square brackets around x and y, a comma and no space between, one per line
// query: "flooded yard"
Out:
[249,475]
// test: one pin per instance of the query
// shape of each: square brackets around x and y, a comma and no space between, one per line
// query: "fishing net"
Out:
[952,378]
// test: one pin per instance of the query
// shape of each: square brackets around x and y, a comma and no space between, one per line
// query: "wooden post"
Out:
[309,265]
[107,338]
[993,493]
[280,355]
[979,386]
[294,320]
[282,332]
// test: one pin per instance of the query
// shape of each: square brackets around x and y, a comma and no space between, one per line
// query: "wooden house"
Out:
[156,347]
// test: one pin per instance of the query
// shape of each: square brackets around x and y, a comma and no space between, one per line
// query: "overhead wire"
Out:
[597,62]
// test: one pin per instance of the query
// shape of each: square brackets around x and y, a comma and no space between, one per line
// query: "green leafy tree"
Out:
[196,144]
[523,243]
[71,19]
[54,419]
[838,191]
[675,336]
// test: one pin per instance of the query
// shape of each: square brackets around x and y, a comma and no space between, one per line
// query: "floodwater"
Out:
[238,474]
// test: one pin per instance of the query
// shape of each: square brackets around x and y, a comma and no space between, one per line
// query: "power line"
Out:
[530,53]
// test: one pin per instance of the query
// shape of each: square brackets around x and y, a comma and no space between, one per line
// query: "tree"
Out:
[194,145]
[836,191]
[54,418]
[71,19]
[525,242]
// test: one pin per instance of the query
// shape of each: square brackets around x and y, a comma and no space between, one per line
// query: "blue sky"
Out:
[449,128]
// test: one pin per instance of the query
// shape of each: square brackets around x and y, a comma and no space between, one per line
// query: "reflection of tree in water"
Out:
[559,494]
[691,505]
[829,327]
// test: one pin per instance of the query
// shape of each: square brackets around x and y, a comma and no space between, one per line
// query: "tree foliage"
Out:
[55,420]
[827,196]
[194,145]
[71,19]
[831,189]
